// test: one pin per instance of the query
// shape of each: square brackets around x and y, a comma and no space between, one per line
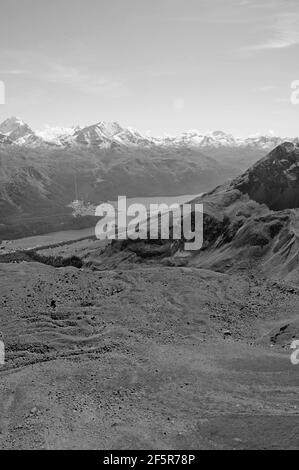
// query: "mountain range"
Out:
[108,134]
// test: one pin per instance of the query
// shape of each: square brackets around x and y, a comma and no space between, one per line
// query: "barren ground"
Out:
[162,358]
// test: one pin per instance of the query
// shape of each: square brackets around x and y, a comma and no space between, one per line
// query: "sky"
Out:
[161,66]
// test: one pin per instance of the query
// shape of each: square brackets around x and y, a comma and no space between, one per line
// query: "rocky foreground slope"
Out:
[147,358]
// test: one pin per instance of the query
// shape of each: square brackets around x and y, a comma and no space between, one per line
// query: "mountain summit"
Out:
[15,126]
[18,131]
[274,180]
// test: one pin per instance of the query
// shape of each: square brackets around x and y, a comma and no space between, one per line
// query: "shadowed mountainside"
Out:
[274,179]
[37,184]
[241,228]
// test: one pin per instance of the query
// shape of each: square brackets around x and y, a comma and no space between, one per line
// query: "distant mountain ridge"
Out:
[111,134]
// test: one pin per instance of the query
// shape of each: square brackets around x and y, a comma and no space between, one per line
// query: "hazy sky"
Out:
[158,65]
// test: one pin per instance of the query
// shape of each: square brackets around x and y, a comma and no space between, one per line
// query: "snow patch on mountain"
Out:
[56,134]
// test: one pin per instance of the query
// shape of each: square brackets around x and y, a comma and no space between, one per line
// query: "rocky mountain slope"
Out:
[250,223]
[274,180]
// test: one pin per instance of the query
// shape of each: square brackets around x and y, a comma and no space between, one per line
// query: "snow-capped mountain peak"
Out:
[13,124]
[111,134]
[17,131]
[109,129]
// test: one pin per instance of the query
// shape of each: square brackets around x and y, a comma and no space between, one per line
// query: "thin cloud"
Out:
[82,80]
[284,33]
[43,69]
[14,72]
[265,89]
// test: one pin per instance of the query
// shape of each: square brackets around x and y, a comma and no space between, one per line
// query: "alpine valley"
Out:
[43,172]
